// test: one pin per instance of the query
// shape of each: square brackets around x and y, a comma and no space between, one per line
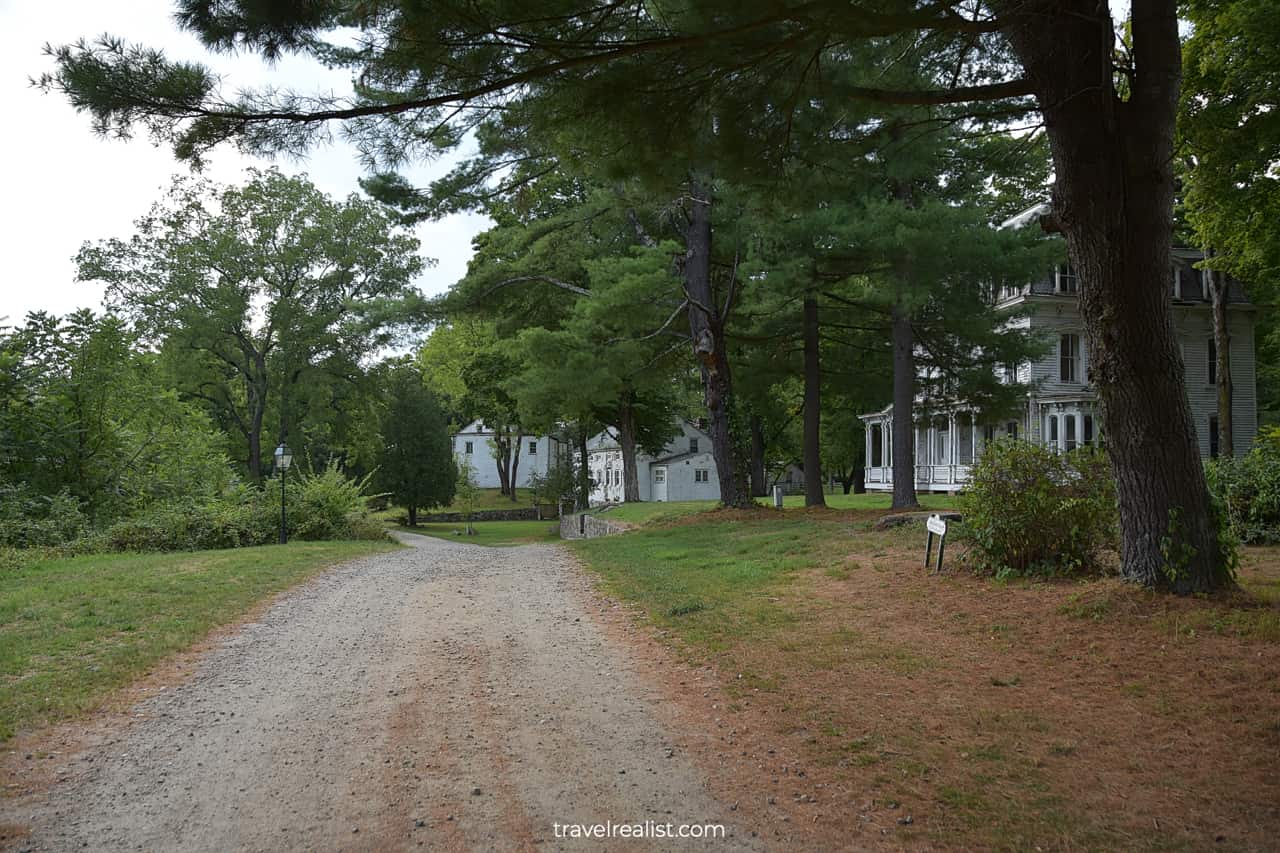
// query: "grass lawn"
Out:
[487,499]
[499,533]
[642,514]
[1058,715]
[71,630]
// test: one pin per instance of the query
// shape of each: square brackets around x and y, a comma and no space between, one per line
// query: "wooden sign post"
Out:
[935,525]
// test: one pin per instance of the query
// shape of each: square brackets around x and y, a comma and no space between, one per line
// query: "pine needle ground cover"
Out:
[72,630]
[866,702]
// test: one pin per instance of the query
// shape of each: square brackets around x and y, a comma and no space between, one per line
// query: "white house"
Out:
[474,444]
[1061,408]
[684,471]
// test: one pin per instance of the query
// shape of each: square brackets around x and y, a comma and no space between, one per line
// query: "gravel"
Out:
[446,696]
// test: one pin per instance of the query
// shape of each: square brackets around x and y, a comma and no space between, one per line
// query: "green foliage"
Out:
[1031,511]
[560,482]
[29,520]
[243,517]
[329,505]
[415,464]
[1247,490]
[267,298]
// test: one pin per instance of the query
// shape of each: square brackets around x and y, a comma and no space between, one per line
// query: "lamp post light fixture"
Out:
[284,458]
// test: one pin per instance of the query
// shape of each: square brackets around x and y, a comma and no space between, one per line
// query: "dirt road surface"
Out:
[441,697]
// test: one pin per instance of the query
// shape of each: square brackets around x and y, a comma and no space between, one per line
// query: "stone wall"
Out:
[581,525]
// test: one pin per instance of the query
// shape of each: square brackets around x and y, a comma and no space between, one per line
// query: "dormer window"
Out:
[1065,279]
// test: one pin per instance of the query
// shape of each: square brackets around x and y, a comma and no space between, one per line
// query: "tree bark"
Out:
[813,495]
[413,515]
[1218,286]
[1113,200]
[627,443]
[502,458]
[515,464]
[707,331]
[904,398]
[759,485]
[584,471]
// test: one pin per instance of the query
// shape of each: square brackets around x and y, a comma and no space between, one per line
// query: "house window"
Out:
[1065,279]
[701,475]
[659,475]
[533,448]
[1213,362]
[1213,436]
[1088,430]
[693,445]
[469,447]
[1069,432]
[1053,432]
[877,445]
[1010,373]
[1069,358]
[1011,429]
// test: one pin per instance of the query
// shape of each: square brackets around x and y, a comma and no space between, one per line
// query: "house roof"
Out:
[677,457]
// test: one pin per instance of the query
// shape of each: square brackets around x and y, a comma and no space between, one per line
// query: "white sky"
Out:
[63,186]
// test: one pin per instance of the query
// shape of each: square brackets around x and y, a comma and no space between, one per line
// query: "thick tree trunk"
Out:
[413,515]
[904,394]
[515,464]
[502,458]
[627,443]
[813,495]
[584,472]
[1222,347]
[759,485]
[707,332]
[1113,200]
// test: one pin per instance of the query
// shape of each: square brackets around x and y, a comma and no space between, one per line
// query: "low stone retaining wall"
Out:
[583,525]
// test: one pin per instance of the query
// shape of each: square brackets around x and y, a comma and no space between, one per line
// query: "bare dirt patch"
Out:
[902,710]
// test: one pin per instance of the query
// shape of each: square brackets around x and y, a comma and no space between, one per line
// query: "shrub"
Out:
[1247,492]
[328,505]
[36,521]
[239,518]
[1029,510]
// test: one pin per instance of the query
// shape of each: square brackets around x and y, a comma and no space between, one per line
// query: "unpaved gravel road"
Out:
[443,697]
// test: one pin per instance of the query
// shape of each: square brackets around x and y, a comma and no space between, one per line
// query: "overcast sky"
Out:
[63,186]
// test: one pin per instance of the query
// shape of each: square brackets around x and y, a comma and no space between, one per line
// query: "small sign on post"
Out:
[935,526]
[777,497]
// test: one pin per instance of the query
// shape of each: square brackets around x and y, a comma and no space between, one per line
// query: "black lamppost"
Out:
[284,458]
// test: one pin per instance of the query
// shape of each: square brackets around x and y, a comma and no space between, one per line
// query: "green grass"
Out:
[486,499]
[497,533]
[714,581]
[645,514]
[868,500]
[72,630]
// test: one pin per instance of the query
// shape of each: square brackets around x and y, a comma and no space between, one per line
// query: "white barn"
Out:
[684,471]
[1061,408]
[474,445]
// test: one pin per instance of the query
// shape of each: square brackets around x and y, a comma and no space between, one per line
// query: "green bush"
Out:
[30,520]
[328,505]
[241,517]
[1247,492]
[1031,511]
